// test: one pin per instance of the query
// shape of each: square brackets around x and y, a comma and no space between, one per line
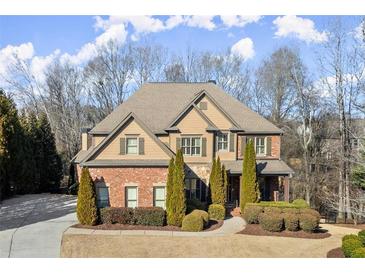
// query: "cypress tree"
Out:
[86,200]
[178,195]
[217,183]
[212,182]
[249,187]
[225,183]
[169,192]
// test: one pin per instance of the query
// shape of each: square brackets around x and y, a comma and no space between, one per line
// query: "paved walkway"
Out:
[230,226]
[32,225]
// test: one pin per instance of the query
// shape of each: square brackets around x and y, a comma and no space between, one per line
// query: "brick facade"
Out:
[117,178]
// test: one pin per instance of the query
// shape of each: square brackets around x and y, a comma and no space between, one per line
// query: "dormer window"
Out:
[132,145]
[191,146]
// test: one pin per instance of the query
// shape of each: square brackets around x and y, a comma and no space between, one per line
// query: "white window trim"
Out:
[126,144]
[228,142]
[154,195]
[265,146]
[191,137]
[126,194]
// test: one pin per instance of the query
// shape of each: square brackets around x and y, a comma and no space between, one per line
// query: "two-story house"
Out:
[128,152]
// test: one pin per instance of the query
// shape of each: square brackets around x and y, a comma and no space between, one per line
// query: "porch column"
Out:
[286,188]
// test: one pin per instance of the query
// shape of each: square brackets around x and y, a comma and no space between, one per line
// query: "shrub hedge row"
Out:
[216,212]
[353,246]
[280,218]
[154,216]
[299,203]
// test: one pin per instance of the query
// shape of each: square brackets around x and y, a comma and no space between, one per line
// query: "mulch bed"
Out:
[212,225]
[335,253]
[256,230]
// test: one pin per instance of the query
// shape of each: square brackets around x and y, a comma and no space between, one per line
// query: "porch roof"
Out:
[264,167]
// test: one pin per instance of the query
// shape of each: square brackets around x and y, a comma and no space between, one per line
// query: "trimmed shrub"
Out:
[349,245]
[301,203]
[361,235]
[203,214]
[193,203]
[271,222]
[312,212]
[291,221]
[358,253]
[192,222]
[117,215]
[290,210]
[350,236]
[279,204]
[308,222]
[251,213]
[216,212]
[272,210]
[149,216]
[87,212]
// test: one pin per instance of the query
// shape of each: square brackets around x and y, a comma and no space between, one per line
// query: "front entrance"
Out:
[233,191]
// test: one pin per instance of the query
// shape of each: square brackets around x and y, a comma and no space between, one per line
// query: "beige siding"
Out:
[193,124]
[215,115]
[151,149]
[98,139]
[227,155]
[164,139]
[84,141]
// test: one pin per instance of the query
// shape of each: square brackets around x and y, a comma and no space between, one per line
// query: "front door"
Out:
[233,190]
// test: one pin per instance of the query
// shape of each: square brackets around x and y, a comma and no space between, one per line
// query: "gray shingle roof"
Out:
[264,167]
[158,104]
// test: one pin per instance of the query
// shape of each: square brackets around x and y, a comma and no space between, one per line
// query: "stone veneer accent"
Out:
[117,178]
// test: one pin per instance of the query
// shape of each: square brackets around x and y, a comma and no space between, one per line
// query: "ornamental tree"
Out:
[86,200]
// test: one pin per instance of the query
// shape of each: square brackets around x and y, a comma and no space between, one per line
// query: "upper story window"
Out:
[132,145]
[222,141]
[260,145]
[191,146]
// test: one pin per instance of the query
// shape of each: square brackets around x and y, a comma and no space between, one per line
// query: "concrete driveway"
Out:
[32,225]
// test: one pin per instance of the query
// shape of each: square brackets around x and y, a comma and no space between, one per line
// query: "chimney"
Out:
[85,138]
[212,81]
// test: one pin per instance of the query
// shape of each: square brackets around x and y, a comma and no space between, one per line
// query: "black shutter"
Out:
[178,143]
[122,146]
[204,147]
[231,142]
[141,146]
[243,145]
[268,146]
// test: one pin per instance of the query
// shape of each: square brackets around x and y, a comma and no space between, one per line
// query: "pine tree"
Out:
[178,195]
[51,163]
[169,192]
[225,183]
[86,200]
[249,186]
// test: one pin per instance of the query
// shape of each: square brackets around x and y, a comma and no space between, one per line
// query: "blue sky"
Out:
[255,37]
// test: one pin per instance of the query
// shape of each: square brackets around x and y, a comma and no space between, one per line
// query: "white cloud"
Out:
[115,33]
[86,53]
[301,28]
[200,21]
[39,65]
[238,20]
[244,48]
[9,53]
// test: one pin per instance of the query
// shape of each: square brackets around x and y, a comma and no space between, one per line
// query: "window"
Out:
[195,188]
[191,146]
[102,196]
[132,145]
[159,196]
[222,141]
[260,145]
[131,196]
[203,105]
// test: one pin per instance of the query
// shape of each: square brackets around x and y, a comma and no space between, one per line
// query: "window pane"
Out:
[132,204]
[132,193]
[160,204]
[160,193]
[132,141]
[131,145]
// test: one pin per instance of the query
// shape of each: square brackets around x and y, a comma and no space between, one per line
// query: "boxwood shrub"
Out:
[154,216]
[192,222]
[271,222]
[251,213]
[272,210]
[350,236]
[300,202]
[119,215]
[308,222]
[361,235]
[291,221]
[350,245]
[216,212]
[290,210]
[312,212]
[203,214]
[358,253]
[142,216]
